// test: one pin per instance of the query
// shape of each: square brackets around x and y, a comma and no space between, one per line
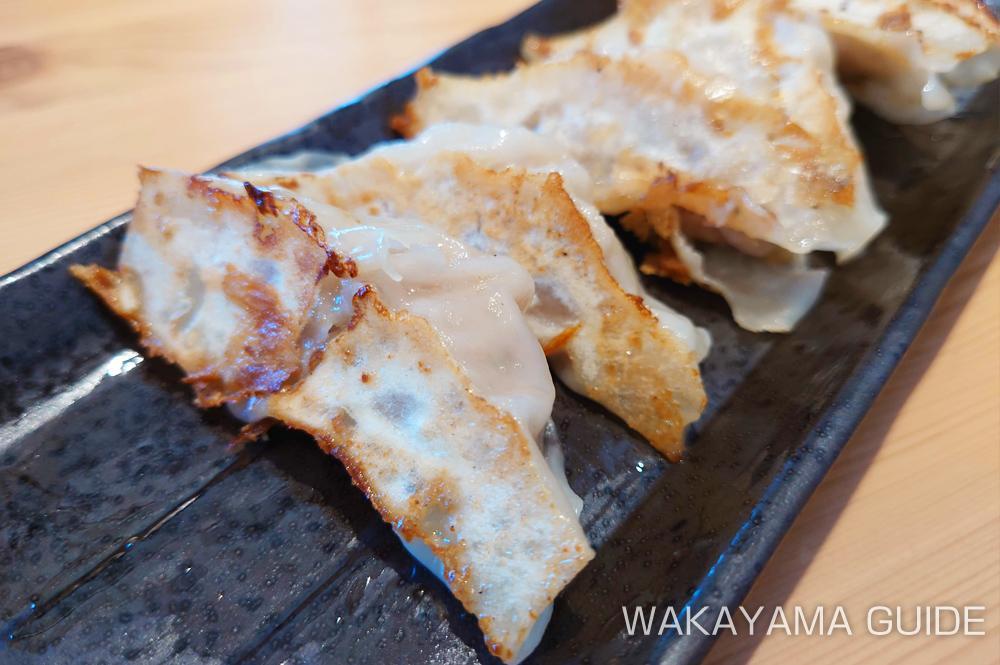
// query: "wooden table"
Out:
[910,513]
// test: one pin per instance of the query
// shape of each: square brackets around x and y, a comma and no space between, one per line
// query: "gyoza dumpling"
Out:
[905,60]
[228,301]
[401,350]
[767,52]
[911,61]
[500,190]
[752,154]
[765,163]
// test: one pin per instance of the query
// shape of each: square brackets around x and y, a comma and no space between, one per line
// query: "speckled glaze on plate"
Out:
[131,532]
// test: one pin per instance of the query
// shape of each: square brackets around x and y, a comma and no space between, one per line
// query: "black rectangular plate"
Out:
[130,532]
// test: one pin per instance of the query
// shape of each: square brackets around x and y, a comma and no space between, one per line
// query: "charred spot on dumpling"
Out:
[263,199]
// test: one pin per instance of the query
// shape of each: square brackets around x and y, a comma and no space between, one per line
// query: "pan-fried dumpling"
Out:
[661,137]
[766,51]
[228,301]
[905,60]
[746,153]
[911,62]
[405,354]
[770,54]
[605,342]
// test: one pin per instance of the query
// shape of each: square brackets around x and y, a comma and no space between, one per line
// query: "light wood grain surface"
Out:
[910,513]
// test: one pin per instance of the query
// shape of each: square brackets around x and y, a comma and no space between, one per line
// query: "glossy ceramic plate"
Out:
[132,532]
